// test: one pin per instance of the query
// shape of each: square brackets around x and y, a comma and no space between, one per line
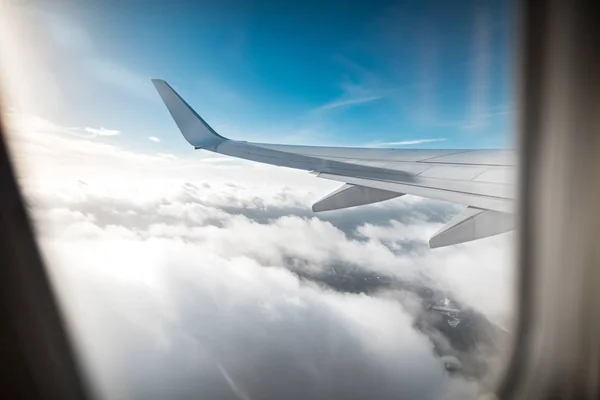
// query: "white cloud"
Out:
[102,131]
[343,102]
[174,315]
[192,262]
[411,142]
[154,139]
[368,89]
[168,156]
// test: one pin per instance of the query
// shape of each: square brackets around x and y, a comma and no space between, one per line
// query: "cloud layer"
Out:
[412,142]
[180,276]
[102,131]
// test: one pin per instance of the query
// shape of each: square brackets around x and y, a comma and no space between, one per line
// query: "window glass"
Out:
[191,274]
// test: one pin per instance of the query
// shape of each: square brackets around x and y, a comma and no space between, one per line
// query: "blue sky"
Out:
[355,73]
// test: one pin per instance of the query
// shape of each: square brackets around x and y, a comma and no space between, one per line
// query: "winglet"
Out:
[193,128]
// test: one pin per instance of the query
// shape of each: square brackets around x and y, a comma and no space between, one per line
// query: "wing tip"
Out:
[192,126]
[158,81]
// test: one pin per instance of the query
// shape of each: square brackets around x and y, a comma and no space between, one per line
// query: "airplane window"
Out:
[257,199]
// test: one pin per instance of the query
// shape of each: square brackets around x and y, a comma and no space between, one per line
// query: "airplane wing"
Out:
[480,179]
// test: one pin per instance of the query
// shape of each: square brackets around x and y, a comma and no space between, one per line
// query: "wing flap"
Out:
[472,224]
[352,196]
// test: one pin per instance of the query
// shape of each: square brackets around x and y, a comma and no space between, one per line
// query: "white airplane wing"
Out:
[479,179]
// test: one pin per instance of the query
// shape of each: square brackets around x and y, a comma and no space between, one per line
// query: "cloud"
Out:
[174,317]
[344,101]
[184,278]
[167,156]
[180,297]
[410,142]
[102,131]
[368,89]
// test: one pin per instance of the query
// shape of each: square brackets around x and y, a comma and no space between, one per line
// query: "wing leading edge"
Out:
[479,179]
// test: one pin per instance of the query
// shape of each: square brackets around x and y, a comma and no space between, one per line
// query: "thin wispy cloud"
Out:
[409,142]
[348,102]
[217,160]
[167,156]
[102,131]
[366,87]
[154,139]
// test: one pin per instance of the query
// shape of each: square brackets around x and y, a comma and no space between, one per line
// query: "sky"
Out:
[184,274]
[293,72]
